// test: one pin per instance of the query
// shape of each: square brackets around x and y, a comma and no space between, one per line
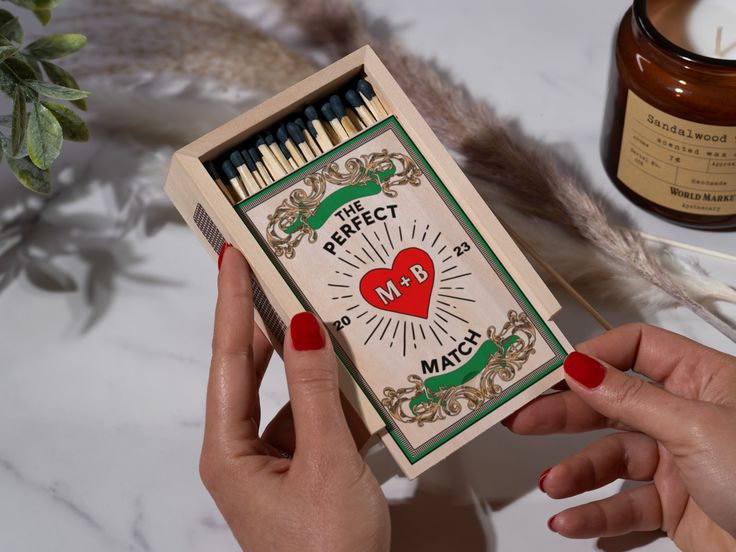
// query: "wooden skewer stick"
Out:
[283,137]
[278,154]
[689,247]
[369,97]
[560,280]
[339,110]
[260,167]
[237,190]
[298,138]
[357,103]
[237,159]
[335,123]
[210,166]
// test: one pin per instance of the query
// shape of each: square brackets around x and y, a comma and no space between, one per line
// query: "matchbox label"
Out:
[421,312]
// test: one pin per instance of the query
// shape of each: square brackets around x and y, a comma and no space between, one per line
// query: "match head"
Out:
[353,98]
[295,132]
[236,158]
[260,142]
[311,129]
[255,154]
[285,150]
[229,170]
[269,138]
[248,160]
[337,106]
[300,123]
[311,113]
[281,134]
[365,88]
[328,113]
[212,170]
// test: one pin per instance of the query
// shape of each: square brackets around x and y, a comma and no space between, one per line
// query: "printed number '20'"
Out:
[340,324]
[462,248]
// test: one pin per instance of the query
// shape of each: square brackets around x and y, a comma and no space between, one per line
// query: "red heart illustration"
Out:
[405,288]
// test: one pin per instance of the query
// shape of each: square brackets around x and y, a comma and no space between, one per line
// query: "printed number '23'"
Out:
[462,248]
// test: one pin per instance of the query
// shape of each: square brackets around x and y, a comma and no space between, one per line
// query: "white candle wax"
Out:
[705,27]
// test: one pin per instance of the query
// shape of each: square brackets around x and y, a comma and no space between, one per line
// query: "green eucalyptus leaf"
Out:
[30,175]
[44,16]
[59,76]
[72,125]
[44,137]
[7,83]
[10,27]
[36,4]
[20,68]
[20,121]
[56,46]
[55,91]
[6,51]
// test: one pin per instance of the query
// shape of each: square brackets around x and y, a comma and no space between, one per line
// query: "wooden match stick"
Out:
[261,168]
[276,150]
[237,190]
[298,138]
[321,136]
[307,136]
[288,157]
[371,100]
[251,185]
[339,109]
[269,159]
[251,164]
[357,103]
[212,170]
[335,123]
[283,137]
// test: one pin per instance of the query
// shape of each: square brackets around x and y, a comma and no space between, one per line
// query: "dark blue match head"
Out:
[212,170]
[236,158]
[365,88]
[311,113]
[248,160]
[311,129]
[295,132]
[337,106]
[281,134]
[255,154]
[269,138]
[328,113]
[229,170]
[260,142]
[284,150]
[300,123]
[353,98]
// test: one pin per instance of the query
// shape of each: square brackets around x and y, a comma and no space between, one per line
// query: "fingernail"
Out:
[222,255]
[549,523]
[306,334]
[584,369]
[542,477]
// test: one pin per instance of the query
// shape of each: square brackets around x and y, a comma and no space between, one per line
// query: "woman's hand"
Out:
[301,485]
[678,434]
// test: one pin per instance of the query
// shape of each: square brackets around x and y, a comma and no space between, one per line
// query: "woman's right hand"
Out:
[678,433]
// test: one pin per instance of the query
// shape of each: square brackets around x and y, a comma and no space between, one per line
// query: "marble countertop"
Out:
[100,428]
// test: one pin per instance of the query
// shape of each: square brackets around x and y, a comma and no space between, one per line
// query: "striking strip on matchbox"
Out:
[420,310]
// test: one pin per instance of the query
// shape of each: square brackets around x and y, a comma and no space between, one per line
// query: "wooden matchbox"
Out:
[440,326]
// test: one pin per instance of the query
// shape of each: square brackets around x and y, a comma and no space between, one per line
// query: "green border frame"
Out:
[439,186]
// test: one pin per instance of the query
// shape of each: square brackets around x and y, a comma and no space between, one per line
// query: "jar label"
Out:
[676,163]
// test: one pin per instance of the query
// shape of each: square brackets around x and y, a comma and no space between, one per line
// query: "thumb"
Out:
[311,374]
[634,402]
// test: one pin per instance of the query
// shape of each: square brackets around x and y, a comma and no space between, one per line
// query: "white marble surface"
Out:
[100,430]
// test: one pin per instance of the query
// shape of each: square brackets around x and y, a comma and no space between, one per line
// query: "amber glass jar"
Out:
[669,135]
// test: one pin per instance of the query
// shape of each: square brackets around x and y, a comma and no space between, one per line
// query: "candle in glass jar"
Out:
[704,27]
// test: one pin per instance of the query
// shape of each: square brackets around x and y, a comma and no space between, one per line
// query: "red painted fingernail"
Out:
[584,369]
[542,477]
[306,334]
[549,523]
[222,255]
